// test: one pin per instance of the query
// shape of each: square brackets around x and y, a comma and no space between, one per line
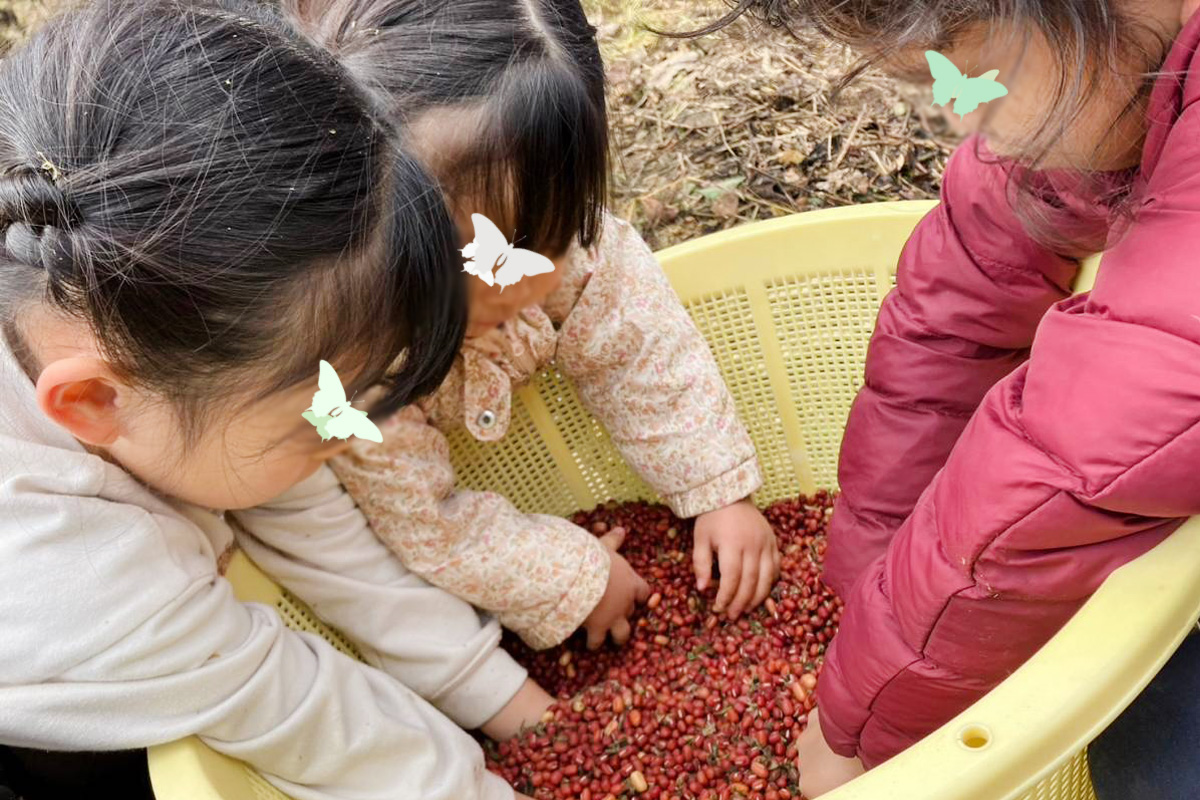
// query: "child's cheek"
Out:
[307,471]
[303,467]
[326,453]
[963,127]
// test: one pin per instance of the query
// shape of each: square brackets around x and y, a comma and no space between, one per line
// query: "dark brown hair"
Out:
[1094,38]
[529,70]
[221,202]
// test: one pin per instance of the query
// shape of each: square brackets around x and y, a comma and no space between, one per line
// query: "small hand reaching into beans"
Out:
[625,590]
[745,688]
[747,552]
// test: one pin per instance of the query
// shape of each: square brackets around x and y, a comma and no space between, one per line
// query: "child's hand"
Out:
[821,769]
[748,554]
[524,711]
[625,590]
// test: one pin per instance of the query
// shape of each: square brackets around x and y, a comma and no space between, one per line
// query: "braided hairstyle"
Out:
[223,205]
[39,221]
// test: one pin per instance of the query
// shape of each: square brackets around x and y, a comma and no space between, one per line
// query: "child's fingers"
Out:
[766,578]
[621,631]
[595,636]
[643,591]
[731,575]
[746,586]
[702,562]
[614,539]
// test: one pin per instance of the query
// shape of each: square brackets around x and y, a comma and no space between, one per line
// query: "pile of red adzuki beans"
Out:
[694,707]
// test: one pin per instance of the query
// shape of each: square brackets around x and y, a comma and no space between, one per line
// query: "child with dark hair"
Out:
[503,100]
[197,205]
[1013,445]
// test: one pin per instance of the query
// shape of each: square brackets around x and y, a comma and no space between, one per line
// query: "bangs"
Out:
[390,314]
[540,162]
[336,313]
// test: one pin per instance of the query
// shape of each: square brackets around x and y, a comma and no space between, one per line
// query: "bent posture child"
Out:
[504,101]
[196,207]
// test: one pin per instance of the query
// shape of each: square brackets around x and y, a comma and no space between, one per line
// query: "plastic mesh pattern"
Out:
[824,322]
[298,617]
[263,790]
[727,322]
[520,467]
[602,469]
[1072,781]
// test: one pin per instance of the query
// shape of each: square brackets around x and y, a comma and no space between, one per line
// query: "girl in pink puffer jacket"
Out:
[1014,445]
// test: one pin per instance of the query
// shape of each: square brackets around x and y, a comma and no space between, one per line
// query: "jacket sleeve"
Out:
[971,288]
[541,575]
[316,543]
[642,368]
[141,642]
[1075,464]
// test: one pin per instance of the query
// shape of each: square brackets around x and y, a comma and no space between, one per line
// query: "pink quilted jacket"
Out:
[993,477]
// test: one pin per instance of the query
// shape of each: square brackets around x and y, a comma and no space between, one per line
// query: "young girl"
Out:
[504,101]
[196,206]
[993,478]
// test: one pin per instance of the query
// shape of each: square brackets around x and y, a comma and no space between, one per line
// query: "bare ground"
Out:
[735,126]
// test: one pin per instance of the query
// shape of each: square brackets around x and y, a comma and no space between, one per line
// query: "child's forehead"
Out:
[355,380]
[909,66]
[442,137]
[968,50]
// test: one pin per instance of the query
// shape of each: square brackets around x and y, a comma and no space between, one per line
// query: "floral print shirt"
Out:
[618,331]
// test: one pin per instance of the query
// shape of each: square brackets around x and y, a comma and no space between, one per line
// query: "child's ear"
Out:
[84,396]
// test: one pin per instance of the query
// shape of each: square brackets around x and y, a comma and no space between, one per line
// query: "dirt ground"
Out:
[16,16]
[740,125]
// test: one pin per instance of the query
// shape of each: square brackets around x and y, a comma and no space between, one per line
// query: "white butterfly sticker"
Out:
[491,250]
[331,414]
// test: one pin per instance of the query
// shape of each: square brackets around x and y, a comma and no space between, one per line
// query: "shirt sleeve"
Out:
[642,368]
[541,575]
[143,643]
[317,544]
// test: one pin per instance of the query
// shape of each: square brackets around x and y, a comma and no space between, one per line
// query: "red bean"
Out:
[695,707]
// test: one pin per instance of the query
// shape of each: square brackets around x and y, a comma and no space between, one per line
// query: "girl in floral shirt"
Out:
[504,101]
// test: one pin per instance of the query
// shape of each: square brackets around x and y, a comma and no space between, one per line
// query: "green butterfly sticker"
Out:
[331,414]
[968,94]
[320,423]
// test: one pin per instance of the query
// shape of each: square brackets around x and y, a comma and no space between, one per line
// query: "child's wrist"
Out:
[525,710]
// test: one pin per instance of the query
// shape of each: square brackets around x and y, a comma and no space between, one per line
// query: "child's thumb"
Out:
[614,539]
